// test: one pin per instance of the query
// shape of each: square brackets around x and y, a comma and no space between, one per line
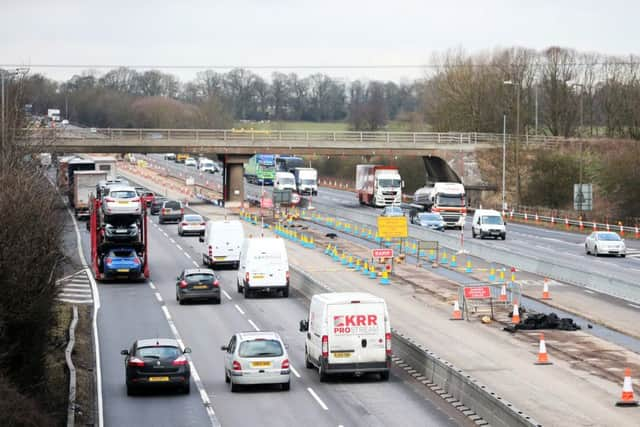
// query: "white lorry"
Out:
[223,240]
[446,198]
[84,186]
[306,181]
[106,164]
[264,266]
[348,332]
[378,185]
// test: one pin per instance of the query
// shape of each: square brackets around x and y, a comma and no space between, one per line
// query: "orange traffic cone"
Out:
[503,293]
[627,398]
[515,317]
[457,314]
[545,289]
[543,358]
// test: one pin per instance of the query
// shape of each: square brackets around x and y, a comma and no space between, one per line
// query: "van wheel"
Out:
[323,375]
[247,293]
[384,376]
[285,292]
[238,285]
[286,386]
[234,387]
[307,362]
[473,234]
[226,377]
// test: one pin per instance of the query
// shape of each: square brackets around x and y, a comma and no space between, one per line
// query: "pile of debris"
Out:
[544,321]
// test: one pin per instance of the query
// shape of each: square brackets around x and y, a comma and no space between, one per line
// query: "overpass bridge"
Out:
[234,146]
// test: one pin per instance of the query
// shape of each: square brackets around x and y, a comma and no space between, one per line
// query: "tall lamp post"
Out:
[504,157]
[580,195]
[517,135]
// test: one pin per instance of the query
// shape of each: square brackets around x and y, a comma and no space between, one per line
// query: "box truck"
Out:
[306,181]
[84,187]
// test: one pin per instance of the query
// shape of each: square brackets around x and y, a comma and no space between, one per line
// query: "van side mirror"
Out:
[124,352]
[304,325]
[201,238]
[224,348]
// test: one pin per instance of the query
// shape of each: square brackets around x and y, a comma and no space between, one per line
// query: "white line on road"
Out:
[196,264]
[254,325]
[239,309]
[634,306]
[226,295]
[158,296]
[187,255]
[294,370]
[165,234]
[171,240]
[166,312]
[317,398]
[151,285]
[588,291]
[178,246]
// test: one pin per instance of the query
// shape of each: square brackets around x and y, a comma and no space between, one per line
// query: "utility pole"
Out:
[504,157]
[517,144]
[536,92]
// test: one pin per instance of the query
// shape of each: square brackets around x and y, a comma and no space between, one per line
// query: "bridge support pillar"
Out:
[233,179]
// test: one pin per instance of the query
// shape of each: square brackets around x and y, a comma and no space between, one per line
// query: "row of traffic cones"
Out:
[356,264]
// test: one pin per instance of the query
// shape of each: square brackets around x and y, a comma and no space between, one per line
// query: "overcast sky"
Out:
[300,32]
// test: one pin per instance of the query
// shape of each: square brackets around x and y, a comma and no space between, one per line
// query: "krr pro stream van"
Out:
[264,266]
[488,223]
[348,332]
[223,240]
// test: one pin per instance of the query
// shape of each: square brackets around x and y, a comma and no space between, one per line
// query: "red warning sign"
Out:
[382,253]
[477,292]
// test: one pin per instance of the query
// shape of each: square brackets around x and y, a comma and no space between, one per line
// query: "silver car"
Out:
[121,200]
[605,243]
[191,224]
[190,161]
[256,358]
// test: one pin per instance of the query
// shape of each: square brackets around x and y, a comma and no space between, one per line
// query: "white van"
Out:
[348,332]
[264,266]
[488,223]
[284,181]
[223,241]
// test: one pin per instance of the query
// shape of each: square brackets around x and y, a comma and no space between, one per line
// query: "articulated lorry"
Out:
[288,163]
[84,187]
[446,198]
[261,169]
[378,185]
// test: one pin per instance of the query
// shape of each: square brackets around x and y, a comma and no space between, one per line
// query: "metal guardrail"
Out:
[494,409]
[295,137]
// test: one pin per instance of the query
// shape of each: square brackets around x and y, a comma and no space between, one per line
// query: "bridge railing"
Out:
[294,136]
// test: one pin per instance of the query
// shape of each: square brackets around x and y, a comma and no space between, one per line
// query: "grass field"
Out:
[392,126]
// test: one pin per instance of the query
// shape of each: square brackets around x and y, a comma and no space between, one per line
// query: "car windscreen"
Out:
[123,194]
[159,352]
[192,218]
[123,253]
[200,278]
[172,205]
[493,219]
[308,181]
[260,348]
[158,202]
[453,201]
[389,182]
[609,237]
[286,181]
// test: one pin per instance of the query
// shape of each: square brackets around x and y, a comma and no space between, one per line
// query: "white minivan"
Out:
[284,181]
[488,223]
[348,332]
[223,241]
[264,266]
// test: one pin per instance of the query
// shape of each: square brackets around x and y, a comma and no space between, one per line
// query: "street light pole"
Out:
[504,156]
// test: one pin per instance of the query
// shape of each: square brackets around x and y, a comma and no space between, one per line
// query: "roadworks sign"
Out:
[390,227]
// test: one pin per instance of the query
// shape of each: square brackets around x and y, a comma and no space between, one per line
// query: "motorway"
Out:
[136,310]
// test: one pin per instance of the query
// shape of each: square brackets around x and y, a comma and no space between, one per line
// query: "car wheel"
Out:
[226,377]
[384,376]
[180,233]
[286,386]
[307,362]
[239,287]
[216,301]
[160,221]
[204,261]
[623,255]
[180,300]
[586,249]
[473,234]
[595,251]
[234,387]
[131,391]
[177,297]
[247,293]
[187,388]
[323,375]
[504,237]
[236,265]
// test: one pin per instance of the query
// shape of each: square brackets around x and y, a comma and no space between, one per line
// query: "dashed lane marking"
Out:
[151,285]
[158,296]
[239,309]
[178,246]
[226,295]
[294,371]
[254,325]
[317,398]
[196,264]
[187,255]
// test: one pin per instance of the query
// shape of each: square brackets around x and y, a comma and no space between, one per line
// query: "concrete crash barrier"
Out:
[495,410]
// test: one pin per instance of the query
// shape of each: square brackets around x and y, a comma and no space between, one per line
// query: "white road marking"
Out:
[171,240]
[187,255]
[254,325]
[317,398]
[196,264]
[178,246]
[158,296]
[588,291]
[634,306]
[239,309]
[165,233]
[151,285]
[226,295]
[294,370]
[166,312]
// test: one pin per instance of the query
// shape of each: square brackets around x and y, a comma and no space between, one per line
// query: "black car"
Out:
[197,283]
[156,362]
[122,233]
[156,205]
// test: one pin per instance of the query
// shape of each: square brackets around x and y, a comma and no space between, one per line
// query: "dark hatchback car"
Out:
[156,205]
[197,283]
[171,210]
[156,363]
